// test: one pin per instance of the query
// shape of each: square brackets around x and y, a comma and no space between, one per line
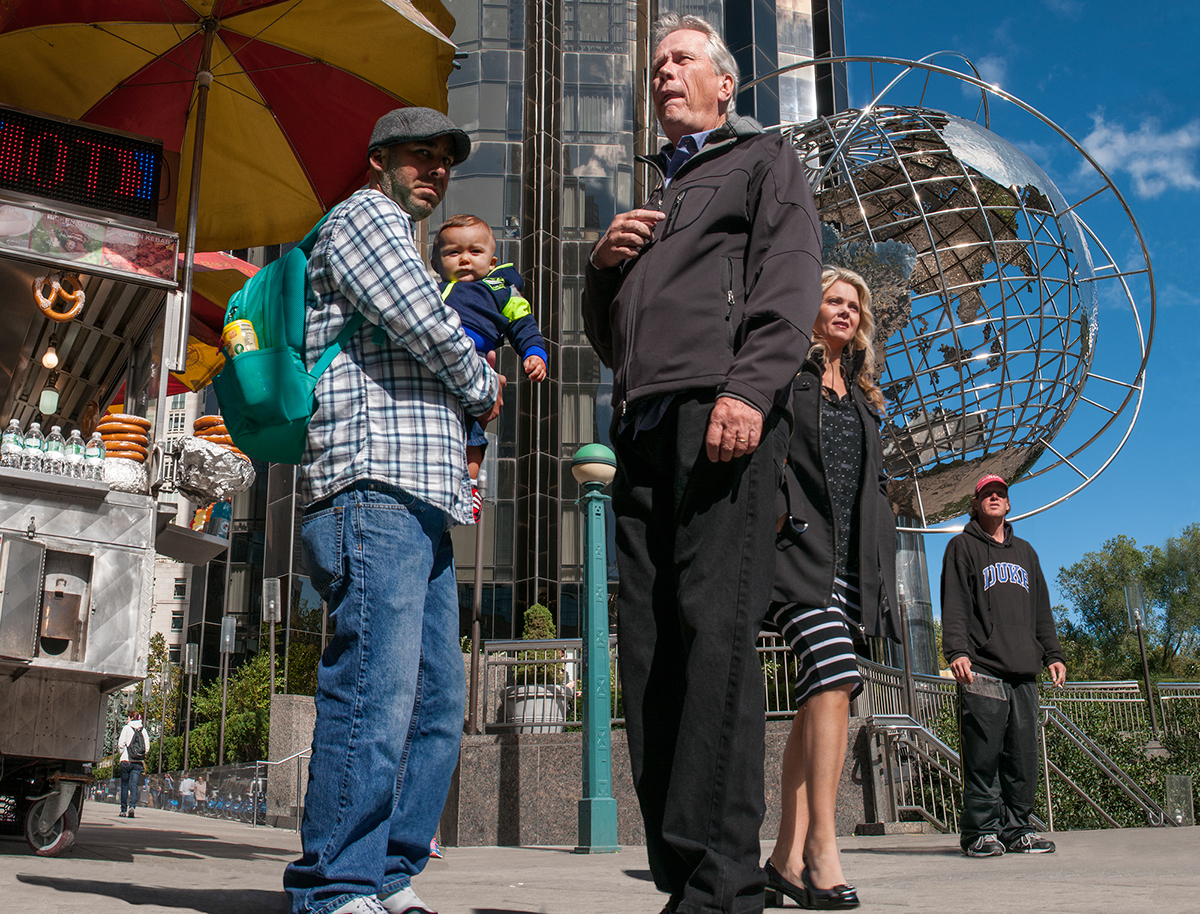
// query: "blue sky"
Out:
[1126,89]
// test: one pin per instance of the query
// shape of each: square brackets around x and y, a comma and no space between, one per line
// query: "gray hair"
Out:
[718,53]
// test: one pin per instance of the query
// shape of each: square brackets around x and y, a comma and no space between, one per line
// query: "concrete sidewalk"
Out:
[167,863]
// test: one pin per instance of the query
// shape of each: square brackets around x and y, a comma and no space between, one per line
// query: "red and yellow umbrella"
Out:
[215,278]
[283,93]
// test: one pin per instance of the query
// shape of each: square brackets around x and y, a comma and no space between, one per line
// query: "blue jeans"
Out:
[131,776]
[390,695]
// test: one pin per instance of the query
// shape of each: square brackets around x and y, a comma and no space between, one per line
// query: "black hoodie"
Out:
[996,606]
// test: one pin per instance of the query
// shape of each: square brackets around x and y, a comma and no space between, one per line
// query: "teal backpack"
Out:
[266,395]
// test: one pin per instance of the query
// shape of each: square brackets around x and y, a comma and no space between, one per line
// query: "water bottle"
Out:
[218,522]
[74,455]
[31,454]
[54,459]
[13,444]
[93,458]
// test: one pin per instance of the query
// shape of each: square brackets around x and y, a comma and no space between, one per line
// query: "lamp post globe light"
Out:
[594,467]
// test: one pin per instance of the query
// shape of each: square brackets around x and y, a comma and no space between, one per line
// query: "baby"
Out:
[489,302]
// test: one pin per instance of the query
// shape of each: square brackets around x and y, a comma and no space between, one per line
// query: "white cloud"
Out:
[602,163]
[1175,294]
[1155,159]
[1068,8]
[993,69]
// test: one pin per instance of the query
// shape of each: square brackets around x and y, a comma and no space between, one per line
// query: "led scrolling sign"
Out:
[78,165]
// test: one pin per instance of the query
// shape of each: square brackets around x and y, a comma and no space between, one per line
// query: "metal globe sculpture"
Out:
[986,296]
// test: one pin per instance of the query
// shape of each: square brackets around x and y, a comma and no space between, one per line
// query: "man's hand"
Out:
[734,429]
[495,410]
[961,668]
[535,368]
[626,236]
[1058,674]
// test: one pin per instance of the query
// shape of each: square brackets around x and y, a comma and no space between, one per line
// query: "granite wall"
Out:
[292,719]
[524,789]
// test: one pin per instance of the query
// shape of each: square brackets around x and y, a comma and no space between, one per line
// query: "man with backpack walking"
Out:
[132,743]
[384,480]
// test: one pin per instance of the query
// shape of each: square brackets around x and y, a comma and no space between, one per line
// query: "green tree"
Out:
[1094,629]
[1173,583]
[247,718]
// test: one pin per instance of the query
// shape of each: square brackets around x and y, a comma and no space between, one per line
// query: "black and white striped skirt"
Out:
[822,641]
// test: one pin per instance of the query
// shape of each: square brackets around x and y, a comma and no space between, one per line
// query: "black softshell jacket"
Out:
[725,294]
[996,606]
[804,563]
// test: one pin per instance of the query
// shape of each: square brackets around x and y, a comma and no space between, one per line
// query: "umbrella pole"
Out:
[204,79]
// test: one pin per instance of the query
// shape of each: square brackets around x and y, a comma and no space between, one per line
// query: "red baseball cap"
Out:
[988,480]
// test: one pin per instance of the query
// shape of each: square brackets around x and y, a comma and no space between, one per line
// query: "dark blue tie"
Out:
[683,152]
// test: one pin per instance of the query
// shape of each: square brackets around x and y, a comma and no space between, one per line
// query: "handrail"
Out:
[288,759]
[297,757]
[1115,773]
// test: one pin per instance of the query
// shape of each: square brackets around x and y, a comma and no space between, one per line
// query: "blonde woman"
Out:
[834,581]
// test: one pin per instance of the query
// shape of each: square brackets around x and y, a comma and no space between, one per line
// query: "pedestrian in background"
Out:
[132,744]
[997,623]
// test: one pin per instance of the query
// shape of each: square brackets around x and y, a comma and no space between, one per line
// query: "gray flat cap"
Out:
[403,125]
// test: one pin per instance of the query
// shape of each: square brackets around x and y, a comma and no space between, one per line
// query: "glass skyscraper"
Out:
[554,95]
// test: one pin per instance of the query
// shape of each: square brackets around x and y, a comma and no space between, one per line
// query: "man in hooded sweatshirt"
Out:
[996,622]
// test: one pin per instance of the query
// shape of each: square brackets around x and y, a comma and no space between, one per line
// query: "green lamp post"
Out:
[593,468]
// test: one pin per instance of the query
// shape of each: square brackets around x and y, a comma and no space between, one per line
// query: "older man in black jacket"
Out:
[701,302]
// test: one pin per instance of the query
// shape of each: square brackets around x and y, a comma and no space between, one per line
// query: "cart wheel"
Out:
[58,837]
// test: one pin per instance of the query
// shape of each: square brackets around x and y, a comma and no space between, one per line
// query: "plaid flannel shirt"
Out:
[390,406]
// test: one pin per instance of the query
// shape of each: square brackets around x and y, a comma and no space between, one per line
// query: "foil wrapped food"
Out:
[126,475]
[206,472]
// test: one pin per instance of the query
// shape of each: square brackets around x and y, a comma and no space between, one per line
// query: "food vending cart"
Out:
[88,305]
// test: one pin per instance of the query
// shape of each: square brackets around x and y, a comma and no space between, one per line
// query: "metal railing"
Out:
[1175,699]
[299,758]
[1122,701]
[1054,717]
[533,686]
[917,776]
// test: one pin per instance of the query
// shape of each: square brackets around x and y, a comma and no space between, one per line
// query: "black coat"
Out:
[804,564]
[725,295]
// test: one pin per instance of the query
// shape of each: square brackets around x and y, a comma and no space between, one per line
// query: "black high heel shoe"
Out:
[840,896]
[778,886]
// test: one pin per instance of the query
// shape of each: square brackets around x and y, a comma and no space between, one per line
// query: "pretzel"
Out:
[127,437]
[127,418]
[128,455]
[119,445]
[120,428]
[46,302]
[216,439]
[207,422]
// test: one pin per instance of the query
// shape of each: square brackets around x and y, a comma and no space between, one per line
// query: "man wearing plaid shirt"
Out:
[384,480]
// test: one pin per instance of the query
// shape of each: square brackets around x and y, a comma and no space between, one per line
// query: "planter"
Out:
[537,708]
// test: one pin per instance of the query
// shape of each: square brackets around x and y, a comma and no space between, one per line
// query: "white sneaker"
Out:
[361,904]
[405,901]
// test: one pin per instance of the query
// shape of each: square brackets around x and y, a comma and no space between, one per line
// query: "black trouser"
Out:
[999,762]
[695,547]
